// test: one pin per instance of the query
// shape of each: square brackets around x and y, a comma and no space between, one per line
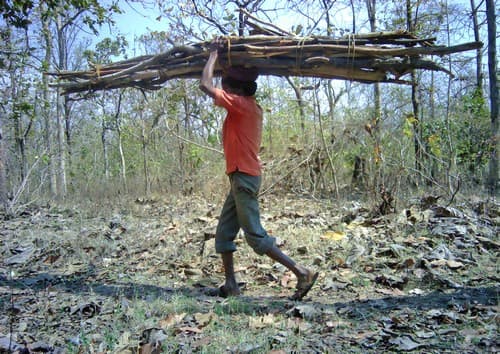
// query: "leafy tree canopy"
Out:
[17,12]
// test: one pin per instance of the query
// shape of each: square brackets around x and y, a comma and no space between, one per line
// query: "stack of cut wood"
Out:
[370,57]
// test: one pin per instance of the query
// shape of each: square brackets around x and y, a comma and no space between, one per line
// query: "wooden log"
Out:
[372,57]
[358,51]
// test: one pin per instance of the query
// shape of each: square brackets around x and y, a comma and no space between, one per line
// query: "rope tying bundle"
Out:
[229,51]
[98,70]
[298,56]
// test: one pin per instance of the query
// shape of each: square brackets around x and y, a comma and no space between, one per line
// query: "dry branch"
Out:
[370,57]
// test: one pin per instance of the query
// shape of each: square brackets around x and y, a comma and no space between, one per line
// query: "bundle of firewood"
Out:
[368,58]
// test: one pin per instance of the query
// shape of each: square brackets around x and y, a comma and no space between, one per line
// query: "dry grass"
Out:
[102,278]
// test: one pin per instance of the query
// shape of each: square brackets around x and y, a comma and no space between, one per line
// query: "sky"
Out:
[137,20]
[134,21]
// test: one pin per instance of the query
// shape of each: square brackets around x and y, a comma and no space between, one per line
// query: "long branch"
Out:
[367,58]
[206,147]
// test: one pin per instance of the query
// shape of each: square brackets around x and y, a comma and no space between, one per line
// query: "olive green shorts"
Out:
[241,211]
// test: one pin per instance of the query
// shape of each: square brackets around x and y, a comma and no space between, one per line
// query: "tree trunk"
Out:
[414,97]
[105,157]
[300,103]
[120,142]
[376,115]
[67,138]
[104,139]
[319,162]
[4,200]
[47,35]
[61,148]
[18,129]
[62,112]
[145,158]
[434,167]
[492,183]
[358,172]
[333,100]
[122,159]
[479,70]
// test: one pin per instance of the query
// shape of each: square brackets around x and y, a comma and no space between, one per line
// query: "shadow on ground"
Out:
[83,284]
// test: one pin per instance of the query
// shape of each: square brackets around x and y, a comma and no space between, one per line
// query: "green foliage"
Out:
[434,133]
[195,156]
[106,49]
[471,130]
[22,108]
[409,126]
[17,12]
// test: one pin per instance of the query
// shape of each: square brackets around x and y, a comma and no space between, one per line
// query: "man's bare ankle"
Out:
[303,273]
[232,290]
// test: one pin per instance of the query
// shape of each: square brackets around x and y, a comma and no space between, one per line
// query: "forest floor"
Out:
[132,278]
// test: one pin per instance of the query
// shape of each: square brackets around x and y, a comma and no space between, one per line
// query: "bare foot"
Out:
[228,291]
[304,284]
[222,291]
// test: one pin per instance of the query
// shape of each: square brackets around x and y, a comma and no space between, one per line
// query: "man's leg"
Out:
[230,286]
[244,190]
[305,277]
[227,229]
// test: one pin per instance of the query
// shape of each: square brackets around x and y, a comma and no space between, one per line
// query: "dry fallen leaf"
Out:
[454,264]
[262,321]
[404,343]
[204,319]
[171,320]
[334,235]
[390,292]
[190,329]
[425,334]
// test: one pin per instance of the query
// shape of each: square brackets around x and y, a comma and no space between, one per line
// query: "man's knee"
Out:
[223,246]
[260,244]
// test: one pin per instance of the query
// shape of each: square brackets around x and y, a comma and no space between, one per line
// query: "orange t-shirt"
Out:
[241,132]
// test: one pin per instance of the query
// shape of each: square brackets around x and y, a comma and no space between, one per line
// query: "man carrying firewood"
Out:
[242,131]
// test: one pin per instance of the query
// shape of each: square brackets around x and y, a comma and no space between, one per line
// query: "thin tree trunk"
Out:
[16,117]
[479,70]
[325,147]
[61,151]
[300,103]
[451,157]
[375,124]
[4,201]
[120,143]
[104,140]
[47,35]
[144,159]
[68,140]
[122,160]
[432,117]
[181,147]
[18,129]
[62,111]
[414,98]
[105,152]
[492,183]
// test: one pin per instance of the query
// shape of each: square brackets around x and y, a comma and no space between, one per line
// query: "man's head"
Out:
[240,80]
[241,88]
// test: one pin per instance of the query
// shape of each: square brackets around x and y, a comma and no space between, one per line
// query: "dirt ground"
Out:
[131,277]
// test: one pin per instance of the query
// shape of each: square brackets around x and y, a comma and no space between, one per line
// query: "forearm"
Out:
[206,83]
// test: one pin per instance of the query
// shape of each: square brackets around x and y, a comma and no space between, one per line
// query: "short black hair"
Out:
[248,88]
